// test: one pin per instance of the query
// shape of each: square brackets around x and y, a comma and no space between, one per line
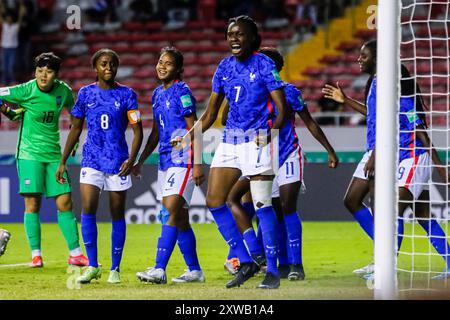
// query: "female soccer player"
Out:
[287,182]
[414,157]
[173,113]
[108,107]
[42,99]
[247,79]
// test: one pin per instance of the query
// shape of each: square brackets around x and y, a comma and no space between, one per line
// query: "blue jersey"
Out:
[371,104]
[288,139]
[247,86]
[105,148]
[409,146]
[170,106]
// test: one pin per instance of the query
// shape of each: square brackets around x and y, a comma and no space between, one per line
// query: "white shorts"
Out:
[176,180]
[414,174]
[105,181]
[291,171]
[359,172]
[247,157]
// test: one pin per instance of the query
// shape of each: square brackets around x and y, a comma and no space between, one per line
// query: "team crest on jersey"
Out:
[117,104]
[58,100]
[83,173]
[27,182]
[167,104]
[252,76]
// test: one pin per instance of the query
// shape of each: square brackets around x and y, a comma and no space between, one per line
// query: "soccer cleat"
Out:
[284,271]
[366,269]
[296,272]
[80,261]
[90,273]
[246,271]
[369,276]
[114,277]
[260,259]
[232,266]
[4,239]
[443,275]
[153,275]
[270,281]
[190,276]
[37,262]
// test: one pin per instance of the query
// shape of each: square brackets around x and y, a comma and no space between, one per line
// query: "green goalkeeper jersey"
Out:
[39,132]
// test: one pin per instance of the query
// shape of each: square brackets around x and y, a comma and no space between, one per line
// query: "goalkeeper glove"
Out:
[12,114]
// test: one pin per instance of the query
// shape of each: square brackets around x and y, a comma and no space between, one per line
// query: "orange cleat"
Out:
[37,262]
[80,261]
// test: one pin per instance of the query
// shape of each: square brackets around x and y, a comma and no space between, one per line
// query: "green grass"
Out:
[331,251]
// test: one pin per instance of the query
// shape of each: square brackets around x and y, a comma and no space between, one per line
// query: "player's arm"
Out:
[278,96]
[226,109]
[423,136]
[72,140]
[197,172]
[150,146]
[207,118]
[134,118]
[319,135]
[338,95]
[11,114]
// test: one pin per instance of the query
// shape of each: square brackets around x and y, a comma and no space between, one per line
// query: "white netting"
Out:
[426,54]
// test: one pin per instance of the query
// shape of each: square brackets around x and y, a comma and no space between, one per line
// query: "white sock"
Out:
[35,253]
[76,252]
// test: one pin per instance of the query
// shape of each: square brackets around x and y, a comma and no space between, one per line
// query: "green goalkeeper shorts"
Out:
[40,177]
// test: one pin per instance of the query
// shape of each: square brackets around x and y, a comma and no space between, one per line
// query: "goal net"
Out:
[425,52]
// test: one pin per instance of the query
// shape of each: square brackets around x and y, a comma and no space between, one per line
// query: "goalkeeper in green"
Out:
[39,152]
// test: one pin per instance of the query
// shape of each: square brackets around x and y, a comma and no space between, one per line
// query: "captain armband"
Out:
[134,116]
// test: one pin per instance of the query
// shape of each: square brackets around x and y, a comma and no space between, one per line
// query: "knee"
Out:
[349,203]
[32,206]
[213,201]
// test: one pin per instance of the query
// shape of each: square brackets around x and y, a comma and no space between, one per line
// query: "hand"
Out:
[262,140]
[60,174]
[136,170]
[334,93]
[178,143]
[333,160]
[197,174]
[369,168]
[125,168]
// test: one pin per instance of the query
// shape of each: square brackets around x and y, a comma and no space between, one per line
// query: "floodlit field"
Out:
[331,251]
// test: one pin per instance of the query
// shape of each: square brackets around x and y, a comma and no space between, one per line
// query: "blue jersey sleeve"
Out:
[411,119]
[217,82]
[132,103]
[270,74]
[187,102]
[79,108]
[294,98]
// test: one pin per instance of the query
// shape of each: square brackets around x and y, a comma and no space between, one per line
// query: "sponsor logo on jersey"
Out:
[276,75]
[186,101]
[4,92]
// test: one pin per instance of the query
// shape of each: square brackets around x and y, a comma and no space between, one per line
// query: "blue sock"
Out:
[283,259]
[166,243]
[259,236]
[268,221]
[400,232]
[230,232]
[437,238]
[252,243]
[365,220]
[231,254]
[89,232]
[118,233]
[188,247]
[294,235]
[249,208]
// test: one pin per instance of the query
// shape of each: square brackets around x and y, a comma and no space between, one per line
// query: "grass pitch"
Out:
[331,250]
